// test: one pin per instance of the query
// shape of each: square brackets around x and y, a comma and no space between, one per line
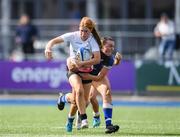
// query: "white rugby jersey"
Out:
[76,42]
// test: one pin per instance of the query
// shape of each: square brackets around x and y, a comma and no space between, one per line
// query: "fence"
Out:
[133,37]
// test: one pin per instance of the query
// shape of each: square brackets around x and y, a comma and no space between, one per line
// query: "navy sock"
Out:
[107,109]
[83,116]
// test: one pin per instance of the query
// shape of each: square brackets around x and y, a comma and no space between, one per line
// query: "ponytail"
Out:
[97,37]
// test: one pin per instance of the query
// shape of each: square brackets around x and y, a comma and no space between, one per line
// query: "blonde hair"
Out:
[88,23]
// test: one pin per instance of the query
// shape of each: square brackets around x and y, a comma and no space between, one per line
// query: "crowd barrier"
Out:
[50,77]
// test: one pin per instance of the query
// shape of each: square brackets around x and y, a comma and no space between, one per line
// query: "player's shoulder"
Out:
[92,39]
[76,32]
[70,35]
[73,33]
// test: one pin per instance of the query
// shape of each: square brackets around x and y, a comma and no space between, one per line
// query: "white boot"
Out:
[84,124]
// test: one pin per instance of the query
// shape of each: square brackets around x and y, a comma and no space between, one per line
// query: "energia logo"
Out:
[54,76]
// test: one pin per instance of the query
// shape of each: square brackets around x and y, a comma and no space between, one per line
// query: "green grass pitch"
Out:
[48,121]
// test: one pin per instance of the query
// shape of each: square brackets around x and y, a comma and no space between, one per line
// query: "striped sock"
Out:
[107,109]
[64,99]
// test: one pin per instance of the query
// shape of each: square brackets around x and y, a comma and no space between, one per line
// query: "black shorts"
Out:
[94,72]
[69,73]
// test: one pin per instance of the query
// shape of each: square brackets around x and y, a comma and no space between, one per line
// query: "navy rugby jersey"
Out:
[106,61]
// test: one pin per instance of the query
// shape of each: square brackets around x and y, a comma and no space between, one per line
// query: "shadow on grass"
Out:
[148,134]
[101,133]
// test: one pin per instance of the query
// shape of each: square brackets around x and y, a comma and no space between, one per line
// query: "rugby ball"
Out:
[84,54]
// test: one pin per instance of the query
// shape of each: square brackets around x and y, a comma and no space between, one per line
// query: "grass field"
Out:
[47,121]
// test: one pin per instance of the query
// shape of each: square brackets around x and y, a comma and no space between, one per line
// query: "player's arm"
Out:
[50,44]
[95,60]
[100,75]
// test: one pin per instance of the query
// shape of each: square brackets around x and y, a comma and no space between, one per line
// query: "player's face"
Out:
[84,33]
[108,48]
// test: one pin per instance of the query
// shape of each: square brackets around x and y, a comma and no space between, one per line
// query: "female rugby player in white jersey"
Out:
[88,37]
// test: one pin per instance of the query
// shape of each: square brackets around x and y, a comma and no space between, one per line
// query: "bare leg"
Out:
[93,100]
[104,89]
[95,106]
[73,110]
[86,92]
[76,84]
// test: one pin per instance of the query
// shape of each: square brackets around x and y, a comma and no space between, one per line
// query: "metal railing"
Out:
[133,36]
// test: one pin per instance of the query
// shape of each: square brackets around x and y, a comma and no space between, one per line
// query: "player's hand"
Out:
[77,63]
[72,67]
[48,54]
[118,58]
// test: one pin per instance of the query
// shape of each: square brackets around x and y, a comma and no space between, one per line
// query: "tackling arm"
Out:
[100,75]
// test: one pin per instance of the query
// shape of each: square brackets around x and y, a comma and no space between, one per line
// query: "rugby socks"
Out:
[83,119]
[83,116]
[71,119]
[64,99]
[107,109]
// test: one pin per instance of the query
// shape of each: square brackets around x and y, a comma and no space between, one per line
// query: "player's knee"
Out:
[92,97]
[108,93]
[107,96]
[80,92]
[74,104]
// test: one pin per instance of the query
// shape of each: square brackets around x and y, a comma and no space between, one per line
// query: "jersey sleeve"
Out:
[108,63]
[95,46]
